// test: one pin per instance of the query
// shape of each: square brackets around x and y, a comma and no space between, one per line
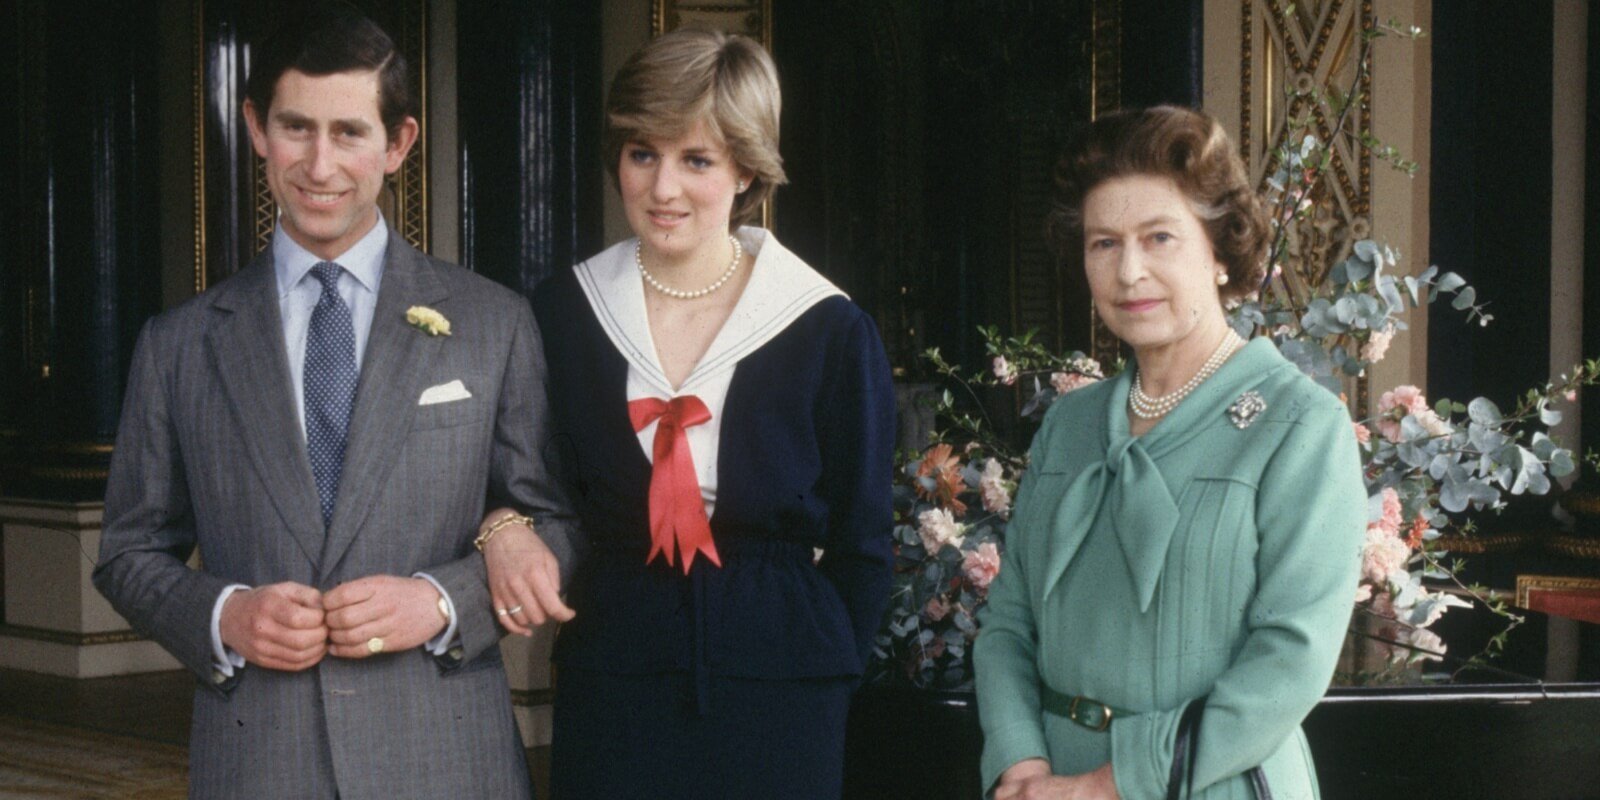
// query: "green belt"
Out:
[1088,712]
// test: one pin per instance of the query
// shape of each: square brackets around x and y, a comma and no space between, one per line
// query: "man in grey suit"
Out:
[327,426]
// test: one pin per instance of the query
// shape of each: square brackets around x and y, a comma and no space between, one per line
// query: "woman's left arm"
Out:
[1310,518]
[856,432]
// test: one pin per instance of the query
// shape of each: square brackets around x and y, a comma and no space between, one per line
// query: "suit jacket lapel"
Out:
[393,371]
[247,351]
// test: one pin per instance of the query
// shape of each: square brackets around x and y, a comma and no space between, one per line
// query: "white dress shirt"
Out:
[298,293]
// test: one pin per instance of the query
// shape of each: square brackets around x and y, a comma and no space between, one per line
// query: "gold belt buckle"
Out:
[1091,714]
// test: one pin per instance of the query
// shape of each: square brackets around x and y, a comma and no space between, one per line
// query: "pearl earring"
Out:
[740,188]
[1222,279]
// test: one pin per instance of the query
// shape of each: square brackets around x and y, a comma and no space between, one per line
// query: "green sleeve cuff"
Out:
[1141,759]
[1018,741]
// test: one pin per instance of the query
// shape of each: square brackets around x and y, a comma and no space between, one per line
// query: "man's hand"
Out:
[1031,780]
[524,575]
[277,627]
[403,612]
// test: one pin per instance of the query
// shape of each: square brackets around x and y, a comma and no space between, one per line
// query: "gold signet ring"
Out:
[375,645]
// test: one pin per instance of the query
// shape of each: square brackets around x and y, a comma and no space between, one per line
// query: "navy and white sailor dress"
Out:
[730,680]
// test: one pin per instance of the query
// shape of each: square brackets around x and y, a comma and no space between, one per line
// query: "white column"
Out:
[1568,140]
[1402,116]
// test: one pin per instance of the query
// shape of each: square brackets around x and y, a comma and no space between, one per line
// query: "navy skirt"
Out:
[644,736]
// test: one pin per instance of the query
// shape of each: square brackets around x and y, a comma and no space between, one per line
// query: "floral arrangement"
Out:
[1426,467]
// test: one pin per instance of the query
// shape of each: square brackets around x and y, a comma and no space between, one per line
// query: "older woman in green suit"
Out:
[1185,547]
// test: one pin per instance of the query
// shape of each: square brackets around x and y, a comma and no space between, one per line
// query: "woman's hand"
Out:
[1034,782]
[524,576]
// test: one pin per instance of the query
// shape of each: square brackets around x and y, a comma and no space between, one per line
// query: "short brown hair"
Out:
[692,75]
[328,39]
[1186,146]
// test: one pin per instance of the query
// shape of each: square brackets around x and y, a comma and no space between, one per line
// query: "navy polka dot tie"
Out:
[330,385]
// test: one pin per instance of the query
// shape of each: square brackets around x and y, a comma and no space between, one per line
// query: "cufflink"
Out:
[444,608]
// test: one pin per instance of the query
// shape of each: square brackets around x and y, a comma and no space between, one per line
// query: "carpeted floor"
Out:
[44,760]
[125,737]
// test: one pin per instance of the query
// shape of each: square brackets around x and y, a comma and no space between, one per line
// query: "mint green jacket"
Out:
[1201,557]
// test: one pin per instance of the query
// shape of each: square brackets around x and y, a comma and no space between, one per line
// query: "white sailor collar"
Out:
[781,288]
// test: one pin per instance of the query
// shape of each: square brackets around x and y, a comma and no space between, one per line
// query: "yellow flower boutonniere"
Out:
[428,321]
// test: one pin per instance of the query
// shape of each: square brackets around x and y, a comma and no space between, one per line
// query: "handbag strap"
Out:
[1186,751]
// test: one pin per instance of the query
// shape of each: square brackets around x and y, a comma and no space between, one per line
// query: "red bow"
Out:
[676,510]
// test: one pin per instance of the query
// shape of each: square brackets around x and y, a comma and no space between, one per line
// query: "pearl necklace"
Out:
[1146,407]
[638,260]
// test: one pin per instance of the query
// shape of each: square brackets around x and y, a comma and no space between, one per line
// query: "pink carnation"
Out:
[1006,372]
[1395,405]
[1391,519]
[936,609]
[1383,556]
[1064,382]
[982,564]
[1377,345]
[1363,434]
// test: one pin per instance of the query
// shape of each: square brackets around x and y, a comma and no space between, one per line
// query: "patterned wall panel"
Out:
[1289,51]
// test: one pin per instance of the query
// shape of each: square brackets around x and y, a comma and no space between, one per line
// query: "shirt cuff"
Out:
[225,659]
[441,644]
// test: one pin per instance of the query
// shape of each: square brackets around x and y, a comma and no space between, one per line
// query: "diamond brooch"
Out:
[1245,410]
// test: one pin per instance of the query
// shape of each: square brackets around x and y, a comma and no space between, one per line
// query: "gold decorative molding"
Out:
[411,181]
[197,93]
[1527,584]
[532,697]
[70,638]
[1105,96]
[752,18]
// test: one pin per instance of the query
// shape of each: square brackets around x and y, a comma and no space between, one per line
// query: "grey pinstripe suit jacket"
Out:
[210,454]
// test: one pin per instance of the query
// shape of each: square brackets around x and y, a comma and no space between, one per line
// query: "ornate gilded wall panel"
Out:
[1290,50]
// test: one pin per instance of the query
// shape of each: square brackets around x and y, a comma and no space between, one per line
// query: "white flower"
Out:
[937,529]
[1377,345]
[428,321]
[991,485]
[1007,373]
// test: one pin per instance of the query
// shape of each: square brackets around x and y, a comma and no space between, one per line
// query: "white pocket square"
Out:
[444,393]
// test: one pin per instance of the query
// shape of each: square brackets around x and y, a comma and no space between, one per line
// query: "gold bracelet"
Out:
[488,533]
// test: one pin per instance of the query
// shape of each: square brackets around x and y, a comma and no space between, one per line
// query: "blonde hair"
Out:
[695,75]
